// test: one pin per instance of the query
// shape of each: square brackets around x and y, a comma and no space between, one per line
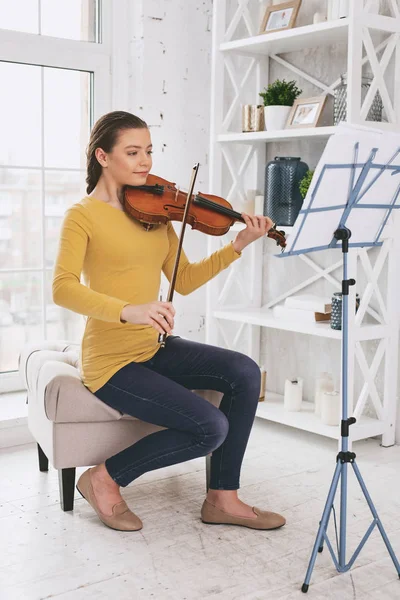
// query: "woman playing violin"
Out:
[121,359]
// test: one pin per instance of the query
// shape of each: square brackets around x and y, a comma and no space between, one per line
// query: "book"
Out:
[309,302]
[299,315]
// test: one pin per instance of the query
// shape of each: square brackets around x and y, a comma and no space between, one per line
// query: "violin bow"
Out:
[163,336]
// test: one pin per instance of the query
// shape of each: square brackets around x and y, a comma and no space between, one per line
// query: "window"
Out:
[52,91]
[70,19]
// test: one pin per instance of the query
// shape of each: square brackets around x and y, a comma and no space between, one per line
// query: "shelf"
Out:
[291,40]
[272,409]
[282,135]
[265,318]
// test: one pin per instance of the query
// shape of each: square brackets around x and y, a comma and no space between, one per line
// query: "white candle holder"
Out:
[293,394]
[323,383]
[331,408]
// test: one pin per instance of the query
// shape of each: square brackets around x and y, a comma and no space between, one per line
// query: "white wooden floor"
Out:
[45,553]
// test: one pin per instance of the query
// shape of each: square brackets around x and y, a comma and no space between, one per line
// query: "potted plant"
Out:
[278,99]
[305,183]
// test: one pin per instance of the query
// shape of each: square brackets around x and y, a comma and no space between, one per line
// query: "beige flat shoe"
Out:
[122,519]
[212,515]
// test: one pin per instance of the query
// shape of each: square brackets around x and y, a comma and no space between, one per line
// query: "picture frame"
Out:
[306,112]
[279,17]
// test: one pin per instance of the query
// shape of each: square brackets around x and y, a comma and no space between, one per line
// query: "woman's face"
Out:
[129,162]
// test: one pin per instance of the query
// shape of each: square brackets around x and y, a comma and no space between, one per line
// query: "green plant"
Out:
[304,184]
[280,93]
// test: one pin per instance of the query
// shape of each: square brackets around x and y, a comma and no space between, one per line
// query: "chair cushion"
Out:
[51,374]
[67,400]
[50,371]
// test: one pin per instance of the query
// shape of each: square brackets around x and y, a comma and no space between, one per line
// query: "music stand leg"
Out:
[318,545]
[376,517]
[344,457]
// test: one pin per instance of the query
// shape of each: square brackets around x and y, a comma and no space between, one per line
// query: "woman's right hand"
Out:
[159,315]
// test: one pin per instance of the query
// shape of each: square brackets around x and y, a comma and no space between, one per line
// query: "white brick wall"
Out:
[170,89]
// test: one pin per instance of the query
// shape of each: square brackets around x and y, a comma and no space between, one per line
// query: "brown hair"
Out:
[104,135]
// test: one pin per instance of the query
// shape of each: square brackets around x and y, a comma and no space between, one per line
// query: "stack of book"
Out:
[305,308]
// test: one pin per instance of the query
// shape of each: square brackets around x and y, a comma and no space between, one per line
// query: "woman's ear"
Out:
[101,156]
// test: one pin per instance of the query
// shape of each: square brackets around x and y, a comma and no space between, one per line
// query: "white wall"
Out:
[170,89]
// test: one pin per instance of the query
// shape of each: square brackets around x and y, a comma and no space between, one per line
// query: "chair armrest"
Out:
[49,371]
[31,349]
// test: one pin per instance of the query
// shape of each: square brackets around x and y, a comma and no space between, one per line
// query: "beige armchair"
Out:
[71,426]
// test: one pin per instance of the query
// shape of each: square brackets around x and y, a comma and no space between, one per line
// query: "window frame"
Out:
[108,63]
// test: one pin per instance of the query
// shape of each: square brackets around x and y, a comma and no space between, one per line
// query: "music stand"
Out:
[358,163]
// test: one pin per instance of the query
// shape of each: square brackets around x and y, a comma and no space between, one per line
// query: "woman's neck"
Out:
[108,193]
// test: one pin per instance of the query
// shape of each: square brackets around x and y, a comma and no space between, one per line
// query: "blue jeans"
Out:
[159,391]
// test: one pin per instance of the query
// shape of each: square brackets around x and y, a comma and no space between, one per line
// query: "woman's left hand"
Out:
[256,227]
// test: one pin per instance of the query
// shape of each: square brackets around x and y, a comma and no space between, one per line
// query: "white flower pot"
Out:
[276,117]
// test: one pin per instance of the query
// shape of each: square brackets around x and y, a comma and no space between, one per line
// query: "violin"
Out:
[160,201]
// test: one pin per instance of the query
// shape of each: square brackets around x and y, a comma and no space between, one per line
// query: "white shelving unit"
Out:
[240,69]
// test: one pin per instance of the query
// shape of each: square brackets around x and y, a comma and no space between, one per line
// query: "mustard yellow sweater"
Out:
[121,264]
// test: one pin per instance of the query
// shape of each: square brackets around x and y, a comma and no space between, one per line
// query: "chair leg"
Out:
[66,481]
[43,460]
[208,471]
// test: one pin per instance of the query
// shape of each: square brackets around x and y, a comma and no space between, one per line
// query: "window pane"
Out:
[20,115]
[48,148]
[62,189]
[20,219]
[62,324]
[67,117]
[20,315]
[72,19]
[20,15]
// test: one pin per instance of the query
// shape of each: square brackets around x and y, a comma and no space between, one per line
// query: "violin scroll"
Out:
[278,235]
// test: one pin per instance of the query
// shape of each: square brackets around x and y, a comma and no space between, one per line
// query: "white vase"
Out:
[276,117]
